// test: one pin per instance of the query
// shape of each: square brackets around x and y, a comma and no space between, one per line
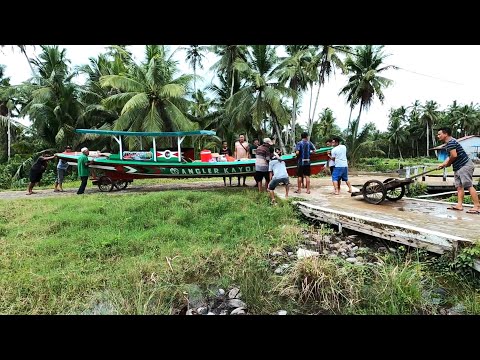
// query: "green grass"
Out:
[72,184]
[136,254]
[147,253]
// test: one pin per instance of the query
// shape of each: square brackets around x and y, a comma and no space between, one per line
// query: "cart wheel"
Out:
[120,184]
[374,191]
[396,194]
[105,184]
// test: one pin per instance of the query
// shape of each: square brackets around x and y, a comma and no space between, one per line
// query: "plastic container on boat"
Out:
[205,155]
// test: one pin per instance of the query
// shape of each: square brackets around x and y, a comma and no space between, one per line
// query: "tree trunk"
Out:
[279,134]
[310,105]
[233,82]
[294,119]
[320,82]
[355,130]
[433,137]
[287,134]
[349,118]
[400,152]
[8,134]
[428,135]
[194,79]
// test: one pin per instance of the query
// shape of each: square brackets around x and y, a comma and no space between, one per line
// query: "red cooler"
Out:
[205,155]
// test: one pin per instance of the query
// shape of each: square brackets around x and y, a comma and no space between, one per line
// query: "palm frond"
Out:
[139,101]
[122,82]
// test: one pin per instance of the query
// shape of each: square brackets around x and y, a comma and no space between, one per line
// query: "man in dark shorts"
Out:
[62,167]
[262,157]
[225,150]
[463,169]
[278,174]
[303,150]
[37,170]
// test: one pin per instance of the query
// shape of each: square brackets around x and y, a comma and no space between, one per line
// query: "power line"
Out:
[400,68]
[433,77]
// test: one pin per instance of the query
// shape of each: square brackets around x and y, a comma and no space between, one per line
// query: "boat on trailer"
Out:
[110,171]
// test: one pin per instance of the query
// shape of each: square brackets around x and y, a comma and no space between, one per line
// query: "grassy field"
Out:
[147,253]
[66,255]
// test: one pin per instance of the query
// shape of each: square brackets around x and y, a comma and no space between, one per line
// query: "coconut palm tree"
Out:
[326,122]
[151,98]
[54,107]
[467,118]
[365,83]
[293,72]
[229,54]
[194,58]
[365,144]
[396,129]
[323,64]
[428,118]
[260,97]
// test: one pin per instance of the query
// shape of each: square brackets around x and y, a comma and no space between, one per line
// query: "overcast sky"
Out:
[442,73]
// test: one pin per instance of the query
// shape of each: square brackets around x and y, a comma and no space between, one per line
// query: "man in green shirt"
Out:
[83,172]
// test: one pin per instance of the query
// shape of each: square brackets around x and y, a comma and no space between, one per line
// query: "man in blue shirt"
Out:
[303,150]
[62,167]
[463,169]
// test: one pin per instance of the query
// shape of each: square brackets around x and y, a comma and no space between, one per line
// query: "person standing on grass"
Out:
[62,167]
[303,150]
[340,172]
[37,170]
[225,150]
[463,169]
[278,174]
[242,152]
[83,172]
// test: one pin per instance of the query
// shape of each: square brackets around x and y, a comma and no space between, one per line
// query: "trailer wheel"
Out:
[374,192]
[396,194]
[121,184]
[105,184]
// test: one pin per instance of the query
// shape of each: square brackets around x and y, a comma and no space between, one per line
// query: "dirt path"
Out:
[356,180]
[39,194]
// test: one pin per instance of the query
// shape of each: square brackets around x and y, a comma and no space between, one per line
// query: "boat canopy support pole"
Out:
[119,141]
[179,142]
[154,150]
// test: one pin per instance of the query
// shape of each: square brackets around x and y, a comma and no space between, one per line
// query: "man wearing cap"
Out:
[62,167]
[262,156]
[278,174]
[83,163]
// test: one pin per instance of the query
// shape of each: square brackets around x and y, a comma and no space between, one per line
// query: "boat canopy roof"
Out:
[138,133]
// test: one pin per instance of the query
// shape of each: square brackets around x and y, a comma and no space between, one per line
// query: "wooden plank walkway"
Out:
[415,222]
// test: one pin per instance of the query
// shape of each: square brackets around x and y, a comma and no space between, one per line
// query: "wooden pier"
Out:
[425,224]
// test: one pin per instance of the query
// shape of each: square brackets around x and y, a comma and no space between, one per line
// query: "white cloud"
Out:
[442,73]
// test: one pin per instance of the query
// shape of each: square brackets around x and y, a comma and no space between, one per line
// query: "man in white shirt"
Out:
[339,154]
[278,174]
[241,151]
